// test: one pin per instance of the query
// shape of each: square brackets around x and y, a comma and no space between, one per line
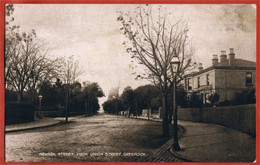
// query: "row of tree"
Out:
[149,97]
[31,70]
[27,60]
[133,100]
[82,99]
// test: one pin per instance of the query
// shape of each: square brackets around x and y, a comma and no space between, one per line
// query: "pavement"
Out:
[200,143]
[214,143]
[38,123]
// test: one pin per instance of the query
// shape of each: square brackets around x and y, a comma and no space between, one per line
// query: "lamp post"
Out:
[175,63]
[40,102]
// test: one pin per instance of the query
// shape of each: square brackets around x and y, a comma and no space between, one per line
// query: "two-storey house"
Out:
[225,77]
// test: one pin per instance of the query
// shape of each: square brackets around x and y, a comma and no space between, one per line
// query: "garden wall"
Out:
[241,117]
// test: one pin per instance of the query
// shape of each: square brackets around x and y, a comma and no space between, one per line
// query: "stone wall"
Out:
[242,117]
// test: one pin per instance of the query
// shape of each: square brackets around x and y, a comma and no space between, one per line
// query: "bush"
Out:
[245,97]
[10,96]
[207,105]
[225,103]
[194,101]
[213,98]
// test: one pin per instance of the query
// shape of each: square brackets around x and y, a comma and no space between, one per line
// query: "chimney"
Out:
[223,56]
[215,59]
[200,67]
[231,57]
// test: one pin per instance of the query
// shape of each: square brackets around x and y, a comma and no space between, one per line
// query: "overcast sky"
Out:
[91,33]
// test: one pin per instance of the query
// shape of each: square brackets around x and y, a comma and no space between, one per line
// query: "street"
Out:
[98,138]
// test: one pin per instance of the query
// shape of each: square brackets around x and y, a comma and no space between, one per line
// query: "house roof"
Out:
[238,64]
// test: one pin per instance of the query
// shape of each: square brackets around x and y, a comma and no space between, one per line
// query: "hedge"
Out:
[18,113]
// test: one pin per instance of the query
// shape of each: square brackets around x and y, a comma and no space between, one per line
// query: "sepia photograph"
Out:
[130,82]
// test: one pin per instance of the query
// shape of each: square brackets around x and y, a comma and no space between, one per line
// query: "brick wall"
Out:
[242,117]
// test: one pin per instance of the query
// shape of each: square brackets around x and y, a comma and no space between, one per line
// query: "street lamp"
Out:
[175,64]
[40,101]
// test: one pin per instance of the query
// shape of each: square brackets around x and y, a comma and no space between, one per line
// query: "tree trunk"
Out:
[128,111]
[136,109]
[66,108]
[165,123]
[89,106]
[20,97]
[85,107]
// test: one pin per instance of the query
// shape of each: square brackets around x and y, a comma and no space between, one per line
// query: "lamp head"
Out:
[40,97]
[175,63]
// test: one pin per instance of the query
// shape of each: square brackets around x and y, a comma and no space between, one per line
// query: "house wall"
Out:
[229,82]
[225,82]
[204,89]
[203,81]
[242,117]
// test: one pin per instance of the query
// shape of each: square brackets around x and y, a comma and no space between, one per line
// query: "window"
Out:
[198,82]
[207,98]
[207,79]
[248,78]
[189,84]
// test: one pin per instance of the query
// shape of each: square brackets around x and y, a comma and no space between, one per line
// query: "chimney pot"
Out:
[215,59]
[215,56]
[223,56]
[200,67]
[231,50]
[223,52]
[231,57]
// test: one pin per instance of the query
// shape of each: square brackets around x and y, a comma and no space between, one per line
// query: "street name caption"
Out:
[94,154]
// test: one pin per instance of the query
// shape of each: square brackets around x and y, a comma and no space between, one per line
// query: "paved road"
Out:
[98,138]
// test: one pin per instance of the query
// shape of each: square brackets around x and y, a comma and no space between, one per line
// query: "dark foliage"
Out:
[225,103]
[147,96]
[194,100]
[213,98]
[10,96]
[18,113]
[245,97]
[110,106]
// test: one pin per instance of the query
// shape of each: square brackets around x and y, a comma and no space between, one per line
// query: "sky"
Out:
[92,34]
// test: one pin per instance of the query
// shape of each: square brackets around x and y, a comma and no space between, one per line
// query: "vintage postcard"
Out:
[104,82]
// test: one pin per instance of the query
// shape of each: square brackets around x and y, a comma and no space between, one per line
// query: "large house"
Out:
[225,77]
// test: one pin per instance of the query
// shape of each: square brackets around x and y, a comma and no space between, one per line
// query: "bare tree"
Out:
[153,40]
[69,70]
[26,62]
[43,70]
[69,73]
[12,39]
[114,94]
